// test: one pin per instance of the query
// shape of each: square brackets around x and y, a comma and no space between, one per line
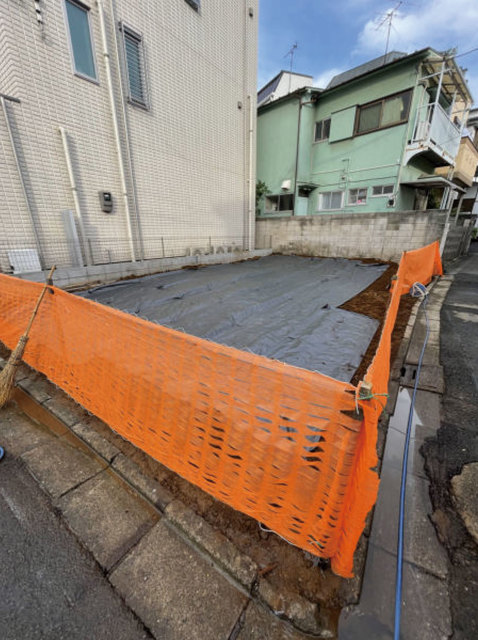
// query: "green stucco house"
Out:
[369,142]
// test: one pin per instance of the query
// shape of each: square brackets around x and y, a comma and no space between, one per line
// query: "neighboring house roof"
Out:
[268,90]
[293,95]
[362,69]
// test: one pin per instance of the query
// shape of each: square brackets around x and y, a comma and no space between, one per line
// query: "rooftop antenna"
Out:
[291,54]
[388,18]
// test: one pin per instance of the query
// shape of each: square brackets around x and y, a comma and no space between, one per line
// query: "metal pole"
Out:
[116,131]
[22,182]
[74,192]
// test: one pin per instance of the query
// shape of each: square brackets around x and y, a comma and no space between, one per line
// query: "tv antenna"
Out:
[291,64]
[388,18]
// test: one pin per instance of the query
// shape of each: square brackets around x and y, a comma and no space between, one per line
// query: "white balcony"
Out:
[434,135]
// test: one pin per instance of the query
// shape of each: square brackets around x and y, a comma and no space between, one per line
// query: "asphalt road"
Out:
[50,588]
[456,443]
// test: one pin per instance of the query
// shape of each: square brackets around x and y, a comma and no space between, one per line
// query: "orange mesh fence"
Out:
[281,444]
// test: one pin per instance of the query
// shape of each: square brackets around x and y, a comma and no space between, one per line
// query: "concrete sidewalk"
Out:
[88,557]
[425,602]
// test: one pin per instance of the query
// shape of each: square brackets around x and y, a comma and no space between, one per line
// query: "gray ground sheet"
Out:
[282,307]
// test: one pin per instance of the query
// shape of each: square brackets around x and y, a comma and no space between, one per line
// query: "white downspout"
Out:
[127,133]
[22,182]
[251,213]
[74,191]
[116,131]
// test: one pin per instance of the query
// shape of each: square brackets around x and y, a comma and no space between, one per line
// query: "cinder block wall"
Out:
[382,235]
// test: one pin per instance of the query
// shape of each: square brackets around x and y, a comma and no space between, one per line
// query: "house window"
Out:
[195,4]
[331,200]
[135,66]
[357,196]
[382,190]
[383,113]
[322,130]
[282,202]
[80,39]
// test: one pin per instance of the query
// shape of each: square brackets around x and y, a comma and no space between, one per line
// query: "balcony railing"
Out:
[434,129]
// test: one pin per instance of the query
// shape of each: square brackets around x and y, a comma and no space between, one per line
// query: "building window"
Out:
[331,200]
[382,190]
[322,130]
[195,4]
[357,196]
[383,113]
[80,39]
[282,202]
[135,66]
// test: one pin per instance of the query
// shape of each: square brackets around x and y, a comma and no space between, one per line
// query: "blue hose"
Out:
[417,290]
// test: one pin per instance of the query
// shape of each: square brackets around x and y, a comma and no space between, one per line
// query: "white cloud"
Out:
[436,23]
[323,79]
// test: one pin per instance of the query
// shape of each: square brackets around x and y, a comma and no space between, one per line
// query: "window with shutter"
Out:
[135,67]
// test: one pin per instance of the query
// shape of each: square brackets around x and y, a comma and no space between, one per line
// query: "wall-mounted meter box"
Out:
[106,201]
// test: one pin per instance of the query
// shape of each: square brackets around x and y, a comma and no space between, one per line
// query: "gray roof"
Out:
[270,87]
[356,72]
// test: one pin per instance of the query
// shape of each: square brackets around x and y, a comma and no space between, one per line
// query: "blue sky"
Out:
[335,35]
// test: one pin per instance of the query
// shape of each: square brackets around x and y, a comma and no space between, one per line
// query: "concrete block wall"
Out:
[382,235]
[75,277]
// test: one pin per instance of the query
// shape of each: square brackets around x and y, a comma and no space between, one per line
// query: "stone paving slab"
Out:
[154,491]
[421,545]
[216,544]
[59,467]
[260,624]
[37,386]
[89,435]
[19,435]
[107,517]
[425,604]
[65,409]
[175,591]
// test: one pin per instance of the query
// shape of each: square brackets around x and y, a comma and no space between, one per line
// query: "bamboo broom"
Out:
[7,376]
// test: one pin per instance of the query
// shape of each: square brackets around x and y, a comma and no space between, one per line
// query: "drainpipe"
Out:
[251,212]
[20,175]
[446,228]
[296,170]
[127,134]
[74,191]
[116,131]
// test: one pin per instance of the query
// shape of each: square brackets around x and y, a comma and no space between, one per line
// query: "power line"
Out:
[465,53]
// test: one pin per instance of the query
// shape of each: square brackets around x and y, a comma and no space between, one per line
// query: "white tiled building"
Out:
[173,142]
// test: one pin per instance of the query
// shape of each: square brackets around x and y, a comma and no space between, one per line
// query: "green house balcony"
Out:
[435,136]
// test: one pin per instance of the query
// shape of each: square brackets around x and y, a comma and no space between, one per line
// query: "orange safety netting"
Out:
[279,443]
